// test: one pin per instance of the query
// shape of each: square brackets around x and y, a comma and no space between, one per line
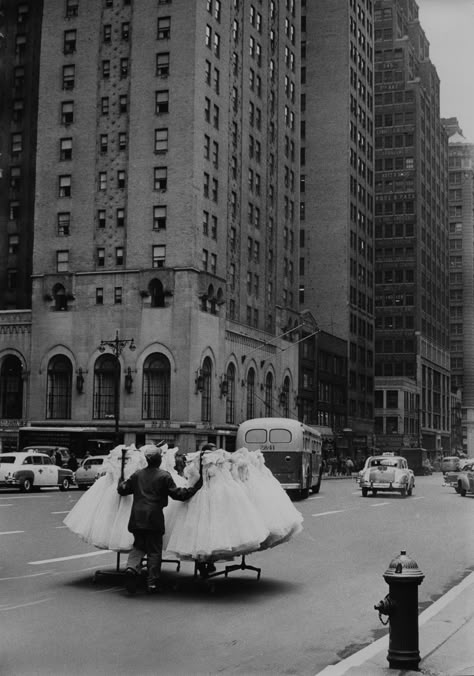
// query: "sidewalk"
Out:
[446,641]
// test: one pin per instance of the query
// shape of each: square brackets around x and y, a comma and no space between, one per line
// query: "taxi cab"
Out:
[31,470]
[387,473]
[89,470]
[465,480]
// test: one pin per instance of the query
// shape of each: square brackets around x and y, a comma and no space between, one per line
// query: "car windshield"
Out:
[7,458]
[383,462]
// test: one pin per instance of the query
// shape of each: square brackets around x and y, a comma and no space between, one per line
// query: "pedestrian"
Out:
[150,488]
[349,466]
[58,459]
[72,462]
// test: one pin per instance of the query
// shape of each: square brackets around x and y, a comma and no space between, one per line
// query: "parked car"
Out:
[450,464]
[51,451]
[464,480]
[387,472]
[89,470]
[32,470]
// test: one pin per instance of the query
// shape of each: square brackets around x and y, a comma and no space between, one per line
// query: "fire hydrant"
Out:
[401,606]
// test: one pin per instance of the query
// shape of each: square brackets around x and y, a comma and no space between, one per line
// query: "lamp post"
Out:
[116,346]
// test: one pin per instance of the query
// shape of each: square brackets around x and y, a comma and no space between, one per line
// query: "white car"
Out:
[31,470]
[387,472]
[89,471]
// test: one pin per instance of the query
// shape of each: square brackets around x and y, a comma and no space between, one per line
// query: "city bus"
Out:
[291,449]
[77,440]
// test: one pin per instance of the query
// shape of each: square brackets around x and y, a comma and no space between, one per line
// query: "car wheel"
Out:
[403,492]
[64,485]
[27,486]
[365,492]
[410,490]
[374,491]
[462,492]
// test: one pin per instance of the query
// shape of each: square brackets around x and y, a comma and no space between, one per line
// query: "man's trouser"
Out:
[149,543]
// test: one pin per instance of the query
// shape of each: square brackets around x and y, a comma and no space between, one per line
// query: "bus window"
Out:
[280,436]
[256,436]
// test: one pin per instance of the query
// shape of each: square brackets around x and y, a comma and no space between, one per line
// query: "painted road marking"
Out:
[20,577]
[379,504]
[25,605]
[69,558]
[23,497]
[335,511]
[7,505]
[60,526]
[317,497]
[11,532]
[66,512]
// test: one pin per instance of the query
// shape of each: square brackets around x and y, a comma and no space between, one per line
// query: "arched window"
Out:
[60,298]
[157,294]
[285,399]
[250,394]
[156,388]
[11,388]
[230,401]
[207,390]
[106,386]
[269,395]
[58,397]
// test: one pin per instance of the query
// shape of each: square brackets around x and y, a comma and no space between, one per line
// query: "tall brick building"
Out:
[411,232]
[337,202]
[163,215]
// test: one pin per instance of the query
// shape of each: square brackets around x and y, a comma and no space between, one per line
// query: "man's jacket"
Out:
[150,488]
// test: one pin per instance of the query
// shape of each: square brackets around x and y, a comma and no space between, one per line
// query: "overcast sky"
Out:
[449,27]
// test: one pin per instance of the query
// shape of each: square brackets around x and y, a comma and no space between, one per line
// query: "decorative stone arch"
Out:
[12,368]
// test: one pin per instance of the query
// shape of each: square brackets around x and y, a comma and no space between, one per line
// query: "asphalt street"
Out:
[312,606]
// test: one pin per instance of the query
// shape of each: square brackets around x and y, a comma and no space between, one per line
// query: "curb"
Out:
[373,649]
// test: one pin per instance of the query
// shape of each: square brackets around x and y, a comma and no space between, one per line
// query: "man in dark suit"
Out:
[151,488]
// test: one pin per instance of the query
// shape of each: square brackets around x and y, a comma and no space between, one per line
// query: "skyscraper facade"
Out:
[461,266]
[411,231]
[337,204]
[166,211]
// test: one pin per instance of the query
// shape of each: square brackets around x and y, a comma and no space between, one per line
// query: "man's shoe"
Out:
[131,580]
[153,589]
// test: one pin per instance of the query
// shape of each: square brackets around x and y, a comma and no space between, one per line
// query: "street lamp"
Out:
[116,346]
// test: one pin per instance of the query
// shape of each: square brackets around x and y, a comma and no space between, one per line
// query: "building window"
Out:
[69,42]
[16,144]
[59,389]
[269,395]
[251,394]
[119,253]
[104,105]
[102,180]
[11,388]
[164,28]
[125,31]
[159,217]
[156,388]
[106,371]
[123,103]
[65,149]
[158,255]
[122,140]
[230,397]
[100,257]
[118,295]
[120,217]
[161,140]
[107,33]
[13,242]
[69,75]
[101,218]
[162,101]
[72,8]
[99,296]
[104,143]
[206,395]
[67,112]
[121,179]
[15,178]
[160,179]
[65,186]
[123,68]
[62,261]
[163,64]
[64,223]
